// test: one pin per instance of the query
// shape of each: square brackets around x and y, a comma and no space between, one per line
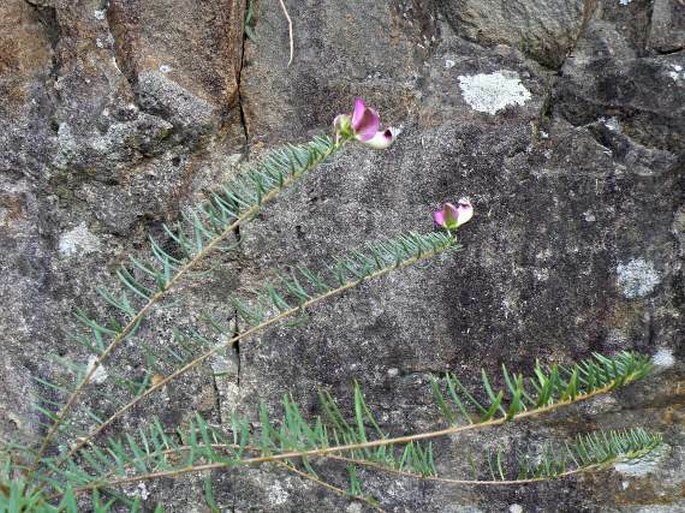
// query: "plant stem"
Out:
[159,295]
[252,331]
[332,452]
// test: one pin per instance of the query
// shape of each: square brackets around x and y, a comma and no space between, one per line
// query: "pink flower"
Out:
[451,217]
[364,124]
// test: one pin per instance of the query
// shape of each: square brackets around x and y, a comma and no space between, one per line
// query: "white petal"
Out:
[382,139]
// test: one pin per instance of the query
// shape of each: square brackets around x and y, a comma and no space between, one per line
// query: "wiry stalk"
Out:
[333,453]
[469,482]
[325,451]
[403,473]
[339,491]
[159,295]
[250,332]
[338,450]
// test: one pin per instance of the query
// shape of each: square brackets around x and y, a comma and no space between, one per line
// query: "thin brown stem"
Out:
[283,464]
[378,466]
[290,467]
[332,452]
[475,482]
[157,297]
[252,331]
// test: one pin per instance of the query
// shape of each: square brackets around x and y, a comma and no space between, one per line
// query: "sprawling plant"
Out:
[91,453]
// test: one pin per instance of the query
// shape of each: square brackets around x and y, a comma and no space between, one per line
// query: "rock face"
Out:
[101,104]
[545,30]
[563,121]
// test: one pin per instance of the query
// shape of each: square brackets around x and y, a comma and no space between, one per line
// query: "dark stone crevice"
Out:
[47,17]
[589,8]
[235,348]
[241,107]
[47,102]
[648,27]
[243,124]
[670,51]
[546,110]
[121,51]
[234,353]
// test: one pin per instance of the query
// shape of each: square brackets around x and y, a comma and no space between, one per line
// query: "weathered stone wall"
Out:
[564,122]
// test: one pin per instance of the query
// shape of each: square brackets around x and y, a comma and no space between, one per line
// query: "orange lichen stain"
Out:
[24,45]
[156,379]
[11,209]
[25,52]
[14,93]
[206,399]
[671,416]
[8,56]
[625,314]
[671,397]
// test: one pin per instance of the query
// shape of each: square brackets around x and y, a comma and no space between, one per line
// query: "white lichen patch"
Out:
[541,274]
[663,358]
[277,494]
[493,92]
[78,241]
[676,72]
[643,466]
[67,145]
[165,68]
[355,507]
[100,374]
[637,278]
[143,492]
[100,14]
[612,124]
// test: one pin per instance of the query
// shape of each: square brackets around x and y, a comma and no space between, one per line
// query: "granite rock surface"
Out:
[563,122]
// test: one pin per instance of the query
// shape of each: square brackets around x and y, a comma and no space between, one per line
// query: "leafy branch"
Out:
[362,442]
[291,295]
[586,453]
[202,231]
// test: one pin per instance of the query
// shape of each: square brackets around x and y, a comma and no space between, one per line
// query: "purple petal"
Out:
[447,216]
[439,218]
[381,139]
[359,109]
[367,127]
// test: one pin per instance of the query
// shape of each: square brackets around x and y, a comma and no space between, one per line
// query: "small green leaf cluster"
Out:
[549,387]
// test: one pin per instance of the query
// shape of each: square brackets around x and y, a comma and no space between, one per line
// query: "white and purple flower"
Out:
[451,217]
[364,124]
